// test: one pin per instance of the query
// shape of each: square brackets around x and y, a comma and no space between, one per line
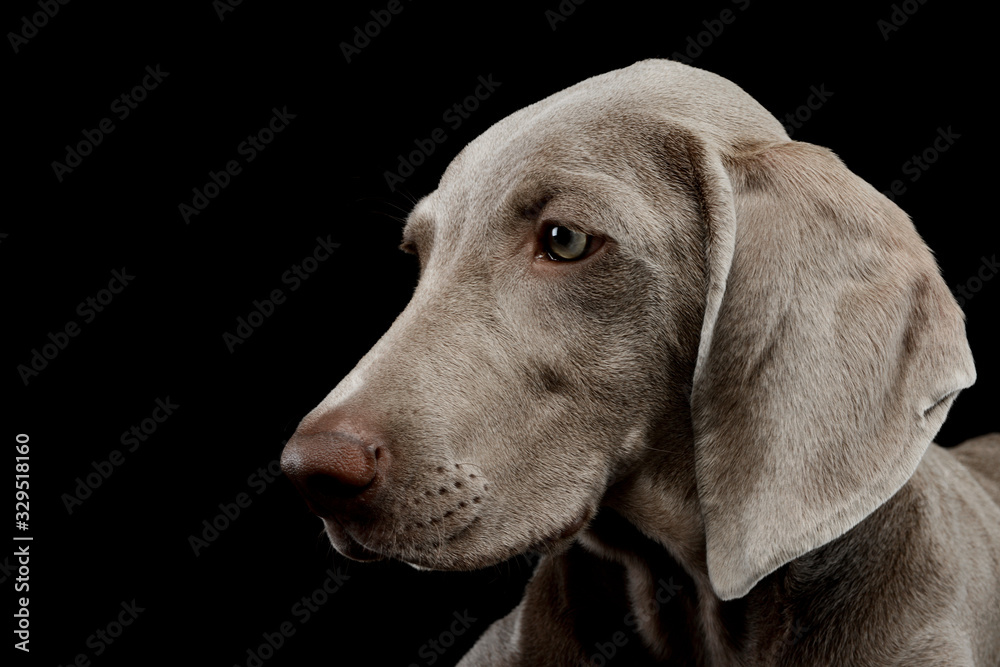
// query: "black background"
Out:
[324,176]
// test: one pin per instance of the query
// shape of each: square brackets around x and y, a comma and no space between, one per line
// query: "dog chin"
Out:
[554,544]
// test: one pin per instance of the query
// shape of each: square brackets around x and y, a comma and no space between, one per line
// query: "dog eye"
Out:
[564,244]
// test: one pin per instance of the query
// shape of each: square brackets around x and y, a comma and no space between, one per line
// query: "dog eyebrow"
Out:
[529,199]
[418,231]
[563,195]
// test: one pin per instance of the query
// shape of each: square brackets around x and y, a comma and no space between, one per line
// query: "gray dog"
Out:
[696,364]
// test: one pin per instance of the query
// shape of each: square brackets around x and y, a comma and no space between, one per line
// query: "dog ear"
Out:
[830,353]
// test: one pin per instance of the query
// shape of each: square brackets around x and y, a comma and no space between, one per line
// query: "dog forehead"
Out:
[591,138]
[598,124]
[639,95]
[570,149]
[496,185]
[521,161]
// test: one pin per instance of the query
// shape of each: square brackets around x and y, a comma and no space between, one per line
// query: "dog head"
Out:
[641,272]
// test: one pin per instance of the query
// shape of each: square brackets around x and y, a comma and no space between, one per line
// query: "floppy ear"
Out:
[831,351]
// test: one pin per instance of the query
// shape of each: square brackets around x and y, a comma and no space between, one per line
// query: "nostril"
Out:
[331,467]
[323,486]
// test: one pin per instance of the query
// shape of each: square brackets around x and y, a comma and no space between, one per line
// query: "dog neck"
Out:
[655,531]
[651,525]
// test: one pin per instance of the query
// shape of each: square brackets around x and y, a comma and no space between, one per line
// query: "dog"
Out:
[695,364]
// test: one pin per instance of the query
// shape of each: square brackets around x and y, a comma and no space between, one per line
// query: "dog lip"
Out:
[347,544]
[351,547]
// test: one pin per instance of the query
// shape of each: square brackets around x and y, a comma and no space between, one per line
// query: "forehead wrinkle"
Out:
[586,197]
[575,165]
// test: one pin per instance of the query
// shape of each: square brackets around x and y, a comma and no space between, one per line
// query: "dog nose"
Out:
[333,466]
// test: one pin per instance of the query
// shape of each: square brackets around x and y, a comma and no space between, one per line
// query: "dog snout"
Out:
[335,465]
